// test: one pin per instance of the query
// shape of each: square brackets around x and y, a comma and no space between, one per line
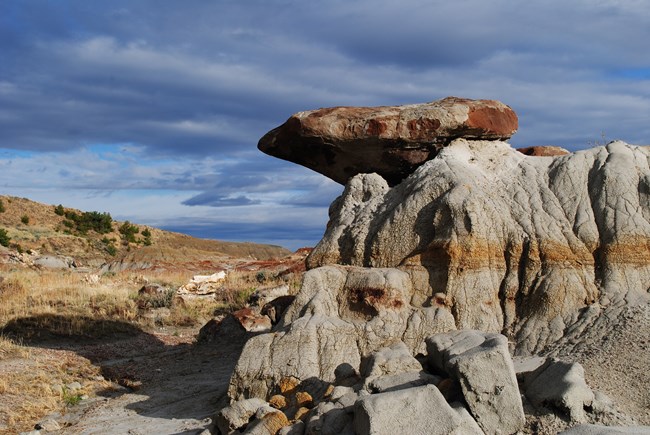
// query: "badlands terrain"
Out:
[462,286]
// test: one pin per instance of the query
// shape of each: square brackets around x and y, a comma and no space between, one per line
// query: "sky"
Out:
[151,110]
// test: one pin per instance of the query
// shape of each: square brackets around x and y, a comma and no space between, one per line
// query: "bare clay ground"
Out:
[161,383]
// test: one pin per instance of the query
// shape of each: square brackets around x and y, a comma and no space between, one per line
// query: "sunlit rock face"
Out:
[341,142]
[534,247]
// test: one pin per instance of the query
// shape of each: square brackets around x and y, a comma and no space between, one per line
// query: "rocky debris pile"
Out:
[200,287]
[264,309]
[392,141]
[465,384]
[32,258]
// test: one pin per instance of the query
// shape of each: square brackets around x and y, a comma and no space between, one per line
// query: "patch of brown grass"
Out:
[32,388]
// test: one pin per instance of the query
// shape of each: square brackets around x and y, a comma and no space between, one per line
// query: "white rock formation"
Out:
[340,315]
[507,242]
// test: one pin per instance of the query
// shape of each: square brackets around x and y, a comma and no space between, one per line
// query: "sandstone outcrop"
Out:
[200,287]
[537,248]
[392,141]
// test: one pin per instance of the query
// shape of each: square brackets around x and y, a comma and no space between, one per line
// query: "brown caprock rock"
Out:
[543,151]
[341,142]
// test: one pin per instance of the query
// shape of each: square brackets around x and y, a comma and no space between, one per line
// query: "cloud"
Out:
[215,200]
[164,102]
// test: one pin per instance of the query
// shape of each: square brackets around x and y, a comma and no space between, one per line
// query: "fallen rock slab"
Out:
[392,141]
[482,364]
[420,410]
[560,384]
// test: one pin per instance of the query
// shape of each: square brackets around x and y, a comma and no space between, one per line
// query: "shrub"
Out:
[146,233]
[112,250]
[4,238]
[2,207]
[128,232]
[59,210]
[24,219]
[101,223]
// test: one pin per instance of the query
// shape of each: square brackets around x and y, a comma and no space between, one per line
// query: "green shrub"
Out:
[2,207]
[112,250]
[24,219]
[59,210]
[4,238]
[128,232]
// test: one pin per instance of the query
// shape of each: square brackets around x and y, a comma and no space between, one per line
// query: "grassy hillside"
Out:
[93,238]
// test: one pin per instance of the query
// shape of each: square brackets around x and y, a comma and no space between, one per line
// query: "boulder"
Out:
[481,363]
[401,381]
[543,151]
[237,416]
[54,262]
[275,309]
[341,142]
[562,385]
[330,419]
[261,297]
[268,421]
[539,248]
[419,410]
[390,360]
[252,320]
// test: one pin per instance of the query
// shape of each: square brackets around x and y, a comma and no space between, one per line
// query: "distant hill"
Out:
[93,238]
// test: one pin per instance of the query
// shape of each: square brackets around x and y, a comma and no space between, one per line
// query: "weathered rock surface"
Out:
[237,416]
[420,410]
[562,385]
[340,315]
[482,364]
[537,248]
[392,141]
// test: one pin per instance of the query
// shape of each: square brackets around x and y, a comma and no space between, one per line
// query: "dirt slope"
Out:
[37,227]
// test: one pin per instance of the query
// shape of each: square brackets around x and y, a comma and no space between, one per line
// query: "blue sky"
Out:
[151,110]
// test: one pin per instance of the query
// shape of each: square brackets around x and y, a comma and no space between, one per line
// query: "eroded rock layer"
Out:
[341,142]
[533,247]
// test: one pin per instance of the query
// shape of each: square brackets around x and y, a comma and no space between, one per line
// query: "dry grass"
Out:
[34,387]
[61,305]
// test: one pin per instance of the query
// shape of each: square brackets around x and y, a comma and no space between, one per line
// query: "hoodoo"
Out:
[447,252]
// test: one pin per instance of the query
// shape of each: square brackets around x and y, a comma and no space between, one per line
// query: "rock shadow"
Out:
[168,380]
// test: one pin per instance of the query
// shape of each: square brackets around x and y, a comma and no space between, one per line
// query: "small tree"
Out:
[25,219]
[128,232]
[59,210]
[4,238]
